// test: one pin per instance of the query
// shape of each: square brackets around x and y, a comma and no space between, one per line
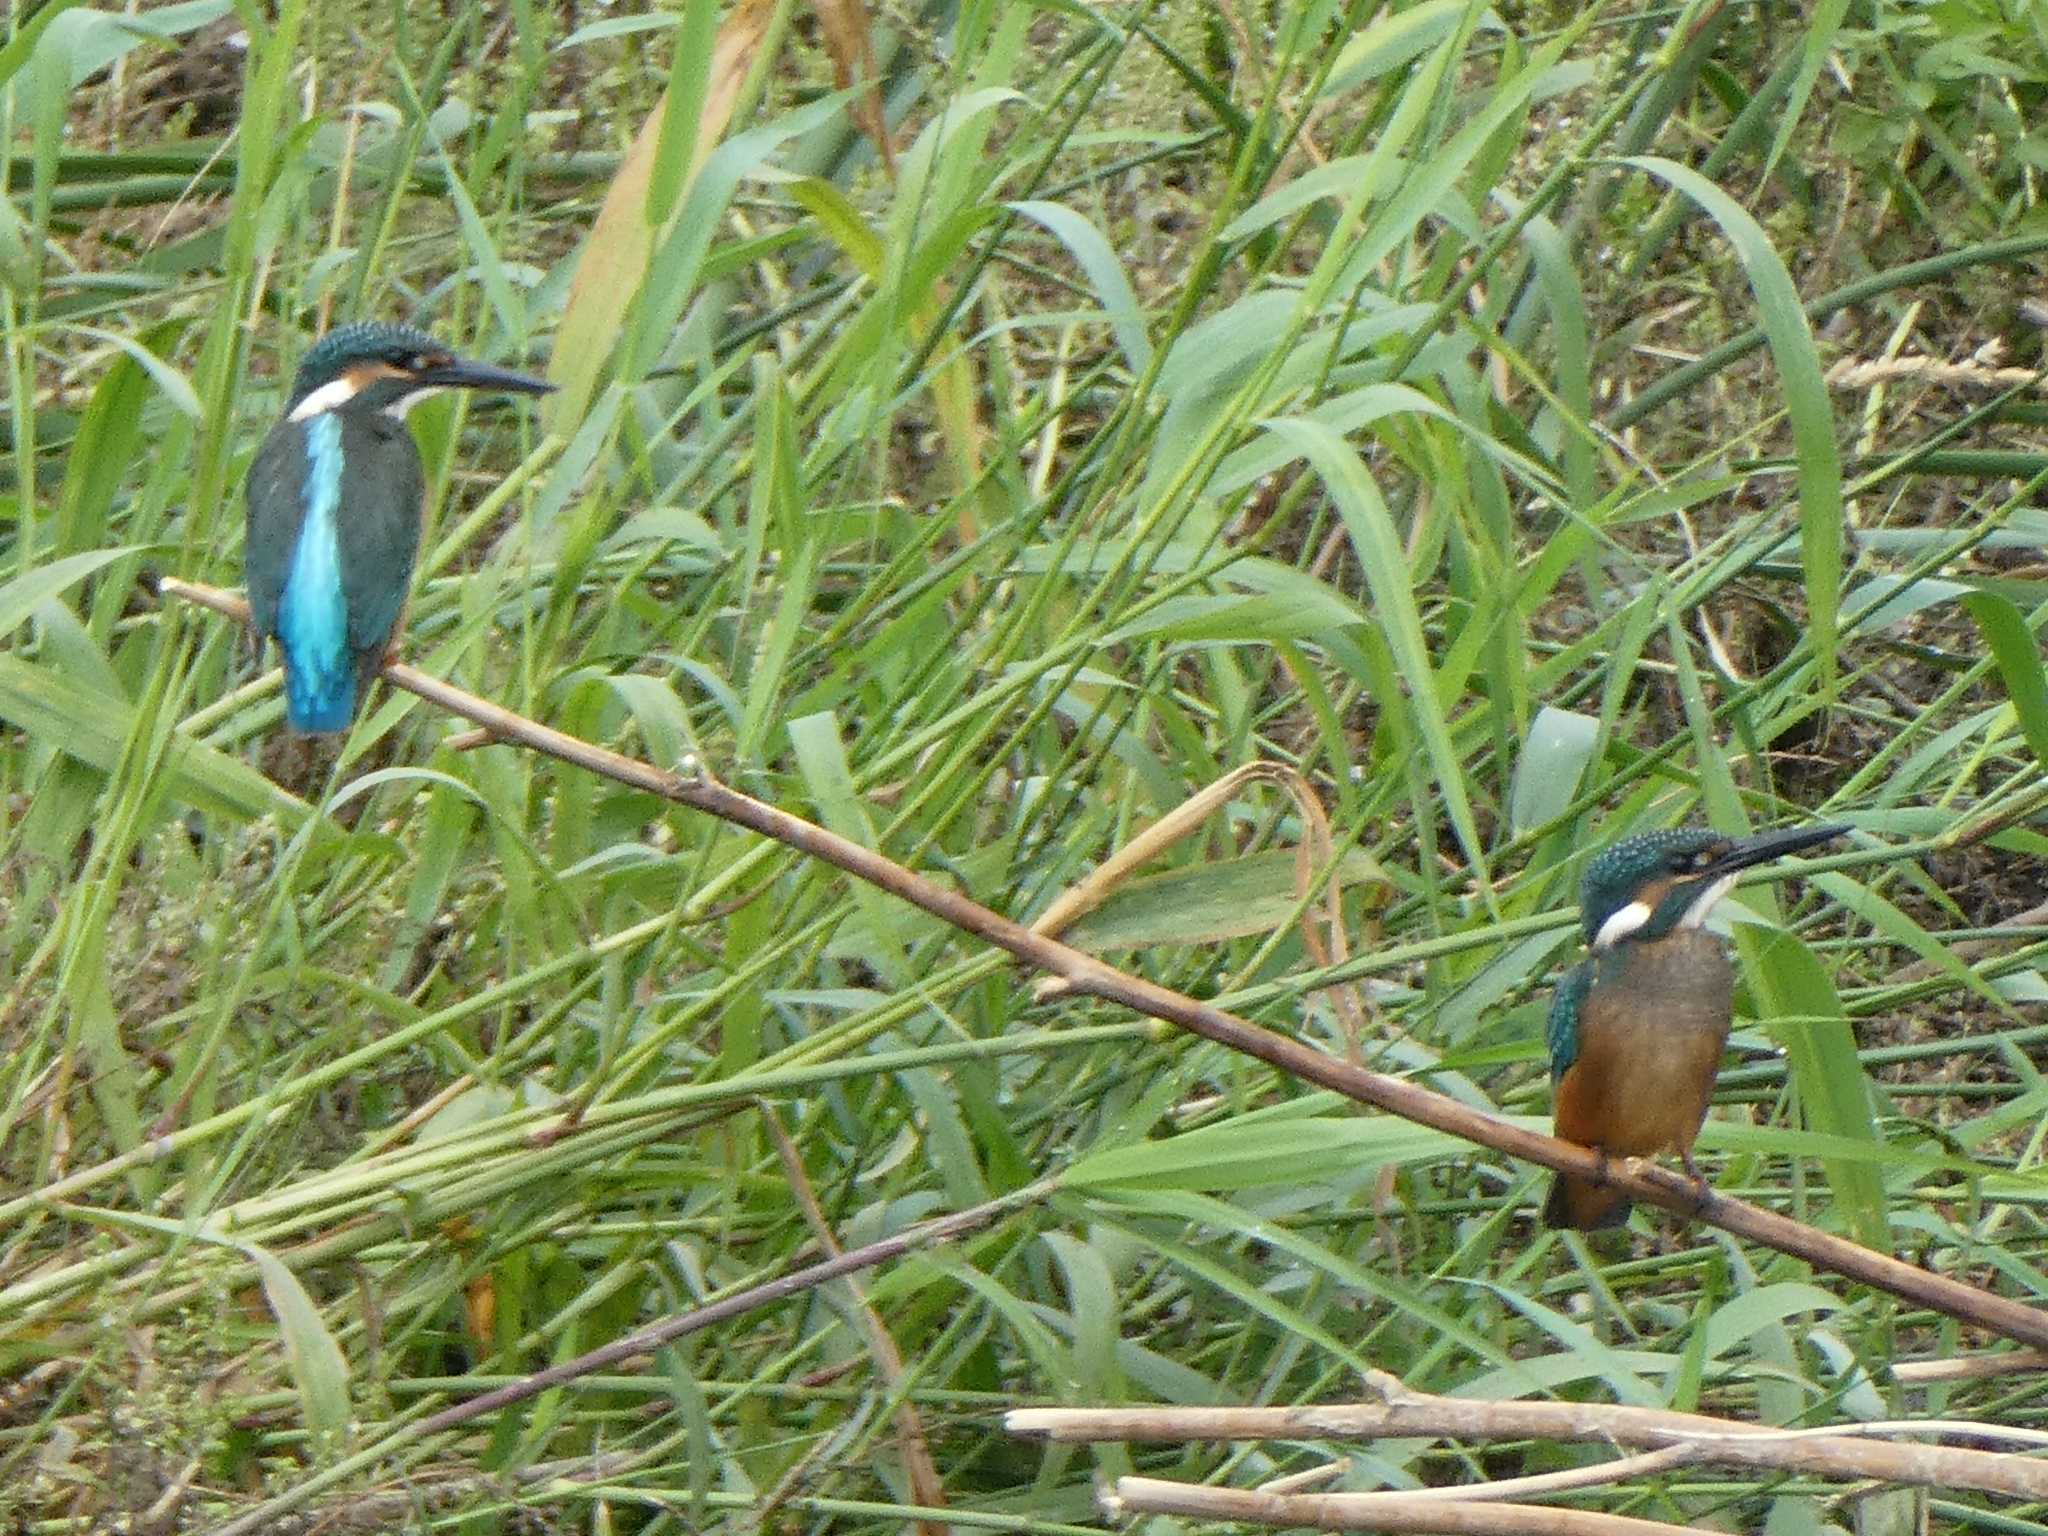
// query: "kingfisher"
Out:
[1637,1030]
[335,497]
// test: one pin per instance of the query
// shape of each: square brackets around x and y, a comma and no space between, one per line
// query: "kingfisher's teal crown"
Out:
[1677,863]
[402,346]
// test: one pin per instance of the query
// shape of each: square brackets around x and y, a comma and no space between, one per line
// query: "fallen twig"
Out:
[1399,1412]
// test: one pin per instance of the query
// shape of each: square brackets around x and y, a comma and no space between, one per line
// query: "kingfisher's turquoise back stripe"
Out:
[312,611]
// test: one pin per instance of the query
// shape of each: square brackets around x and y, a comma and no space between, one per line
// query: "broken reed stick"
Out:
[1947,1368]
[1075,972]
[1398,1411]
[1130,1496]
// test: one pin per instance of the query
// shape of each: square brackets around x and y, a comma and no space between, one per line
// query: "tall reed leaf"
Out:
[1819,464]
[1379,551]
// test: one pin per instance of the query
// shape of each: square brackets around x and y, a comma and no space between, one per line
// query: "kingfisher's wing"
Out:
[380,510]
[274,494]
[1567,1012]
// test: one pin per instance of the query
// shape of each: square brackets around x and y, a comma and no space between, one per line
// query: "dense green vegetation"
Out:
[1427,400]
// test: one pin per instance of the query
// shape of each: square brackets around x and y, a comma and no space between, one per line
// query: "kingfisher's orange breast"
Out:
[1651,1035]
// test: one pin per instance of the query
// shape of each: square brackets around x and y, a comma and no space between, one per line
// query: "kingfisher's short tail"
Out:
[319,693]
[1585,1204]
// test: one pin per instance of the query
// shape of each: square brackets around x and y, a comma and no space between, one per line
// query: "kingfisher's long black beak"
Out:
[1745,852]
[461,373]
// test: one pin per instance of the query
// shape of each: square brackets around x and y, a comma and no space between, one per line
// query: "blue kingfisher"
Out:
[335,497]
[1637,1030]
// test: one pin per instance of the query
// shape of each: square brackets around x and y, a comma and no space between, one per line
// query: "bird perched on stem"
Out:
[1637,1030]
[335,497]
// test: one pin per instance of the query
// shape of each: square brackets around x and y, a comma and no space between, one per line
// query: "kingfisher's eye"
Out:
[425,362]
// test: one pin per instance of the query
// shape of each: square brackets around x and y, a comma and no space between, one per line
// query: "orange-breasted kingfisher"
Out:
[1637,1030]
[335,497]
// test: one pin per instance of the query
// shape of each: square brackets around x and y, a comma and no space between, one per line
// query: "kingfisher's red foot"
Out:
[1703,1192]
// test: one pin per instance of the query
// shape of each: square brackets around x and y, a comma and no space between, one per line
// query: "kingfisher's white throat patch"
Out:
[396,409]
[335,392]
[1702,906]
[1622,922]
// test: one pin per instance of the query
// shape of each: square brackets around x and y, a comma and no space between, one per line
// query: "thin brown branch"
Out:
[1838,1451]
[1084,974]
[645,1342]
